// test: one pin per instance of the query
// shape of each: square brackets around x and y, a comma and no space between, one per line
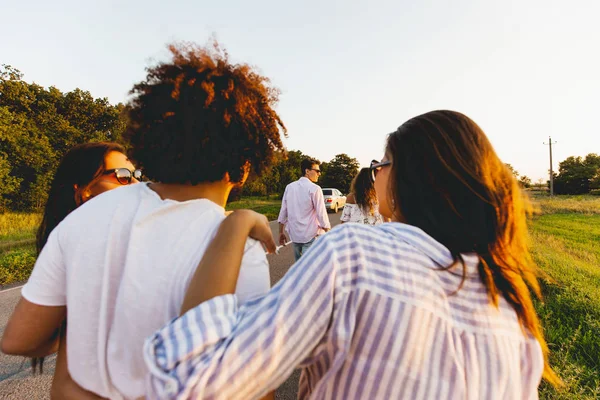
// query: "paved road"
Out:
[17,382]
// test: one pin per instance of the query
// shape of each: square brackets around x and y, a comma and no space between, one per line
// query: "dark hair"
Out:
[307,163]
[198,117]
[448,181]
[81,167]
[364,191]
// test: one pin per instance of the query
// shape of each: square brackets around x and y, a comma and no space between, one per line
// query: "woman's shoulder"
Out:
[350,199]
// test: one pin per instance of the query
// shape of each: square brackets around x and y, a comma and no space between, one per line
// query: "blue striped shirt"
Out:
[366,313]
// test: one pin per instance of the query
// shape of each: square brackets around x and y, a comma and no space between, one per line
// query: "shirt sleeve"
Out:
[319,204]
[254,279]
[347,213]
[220,349]
[47,284]
[283,215]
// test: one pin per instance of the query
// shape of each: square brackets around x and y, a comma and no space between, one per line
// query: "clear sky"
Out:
[350,71]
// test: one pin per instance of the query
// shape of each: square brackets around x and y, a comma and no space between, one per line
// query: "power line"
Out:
[550,143]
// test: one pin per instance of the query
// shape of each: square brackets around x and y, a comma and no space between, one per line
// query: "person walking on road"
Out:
[362,205]
[303,214]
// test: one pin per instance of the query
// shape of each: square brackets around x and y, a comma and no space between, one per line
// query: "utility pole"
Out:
[550,143]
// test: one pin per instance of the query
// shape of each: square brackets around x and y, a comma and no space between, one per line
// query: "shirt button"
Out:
[171,388]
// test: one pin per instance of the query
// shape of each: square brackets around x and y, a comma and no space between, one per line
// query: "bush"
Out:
[254,188]
[16,265]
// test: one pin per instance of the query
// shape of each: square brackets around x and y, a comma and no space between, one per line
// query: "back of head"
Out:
[364,191]
[448,181]
[198,117]
[77,170]
[307,163]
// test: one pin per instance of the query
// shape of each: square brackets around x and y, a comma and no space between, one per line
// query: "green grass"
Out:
[580,204]
[567,249]
[263,205]
[18,226]
[16,265]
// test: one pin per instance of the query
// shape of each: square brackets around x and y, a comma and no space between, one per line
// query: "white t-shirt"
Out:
[122,263]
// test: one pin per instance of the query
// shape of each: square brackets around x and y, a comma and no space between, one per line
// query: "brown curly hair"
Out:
[198,116]
[364,191]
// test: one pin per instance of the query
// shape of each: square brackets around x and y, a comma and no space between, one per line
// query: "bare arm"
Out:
[282,236]
[211,279]
[33,330]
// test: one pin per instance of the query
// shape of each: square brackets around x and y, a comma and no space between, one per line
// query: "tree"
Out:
[340,172]
[576,175]
[37,127]
[525,181]
[513,171]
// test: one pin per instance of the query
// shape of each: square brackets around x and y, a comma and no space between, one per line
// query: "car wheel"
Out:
[335,208]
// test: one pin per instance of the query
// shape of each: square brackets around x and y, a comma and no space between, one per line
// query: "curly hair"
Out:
[199,117]
[364,191]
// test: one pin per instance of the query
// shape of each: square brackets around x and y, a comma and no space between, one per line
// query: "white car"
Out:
[334,199]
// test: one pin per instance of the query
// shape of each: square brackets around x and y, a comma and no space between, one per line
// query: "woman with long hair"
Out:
[85,171]
[436,304]
[361,204]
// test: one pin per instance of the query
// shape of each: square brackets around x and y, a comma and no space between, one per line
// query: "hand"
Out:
[282,239]
[257,226]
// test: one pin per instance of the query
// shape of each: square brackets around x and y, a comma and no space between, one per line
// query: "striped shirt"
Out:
[366,313]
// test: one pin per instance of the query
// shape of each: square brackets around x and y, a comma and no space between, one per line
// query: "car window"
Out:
[327,192]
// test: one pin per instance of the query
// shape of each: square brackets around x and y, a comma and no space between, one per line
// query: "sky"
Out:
[350,72]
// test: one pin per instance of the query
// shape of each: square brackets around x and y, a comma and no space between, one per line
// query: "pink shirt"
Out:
[303,211]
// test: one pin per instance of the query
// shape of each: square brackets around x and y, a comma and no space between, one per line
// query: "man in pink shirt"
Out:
[303,214]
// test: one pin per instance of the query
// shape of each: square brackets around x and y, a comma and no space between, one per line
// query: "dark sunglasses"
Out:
[318,171]
[376,167]
[124,175]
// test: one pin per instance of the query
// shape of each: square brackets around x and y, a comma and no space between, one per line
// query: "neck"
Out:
[217,192]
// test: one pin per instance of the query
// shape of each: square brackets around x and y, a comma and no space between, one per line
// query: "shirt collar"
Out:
[433,249]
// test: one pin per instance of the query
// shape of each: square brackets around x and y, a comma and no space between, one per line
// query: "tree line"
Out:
[38,125]
[576,175]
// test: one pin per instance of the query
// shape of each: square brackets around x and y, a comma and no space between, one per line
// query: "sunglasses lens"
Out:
[137,174]
[123,176]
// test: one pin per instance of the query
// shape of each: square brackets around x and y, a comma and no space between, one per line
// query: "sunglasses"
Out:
[124,175]
[318,171]
[376,167]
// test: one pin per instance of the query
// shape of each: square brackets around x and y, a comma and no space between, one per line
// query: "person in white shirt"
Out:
[303,215]
[361,205]
[118,267]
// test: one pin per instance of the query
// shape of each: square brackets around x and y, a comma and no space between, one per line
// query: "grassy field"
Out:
[565,232]
[18,226]
[566,246]
[263,205]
